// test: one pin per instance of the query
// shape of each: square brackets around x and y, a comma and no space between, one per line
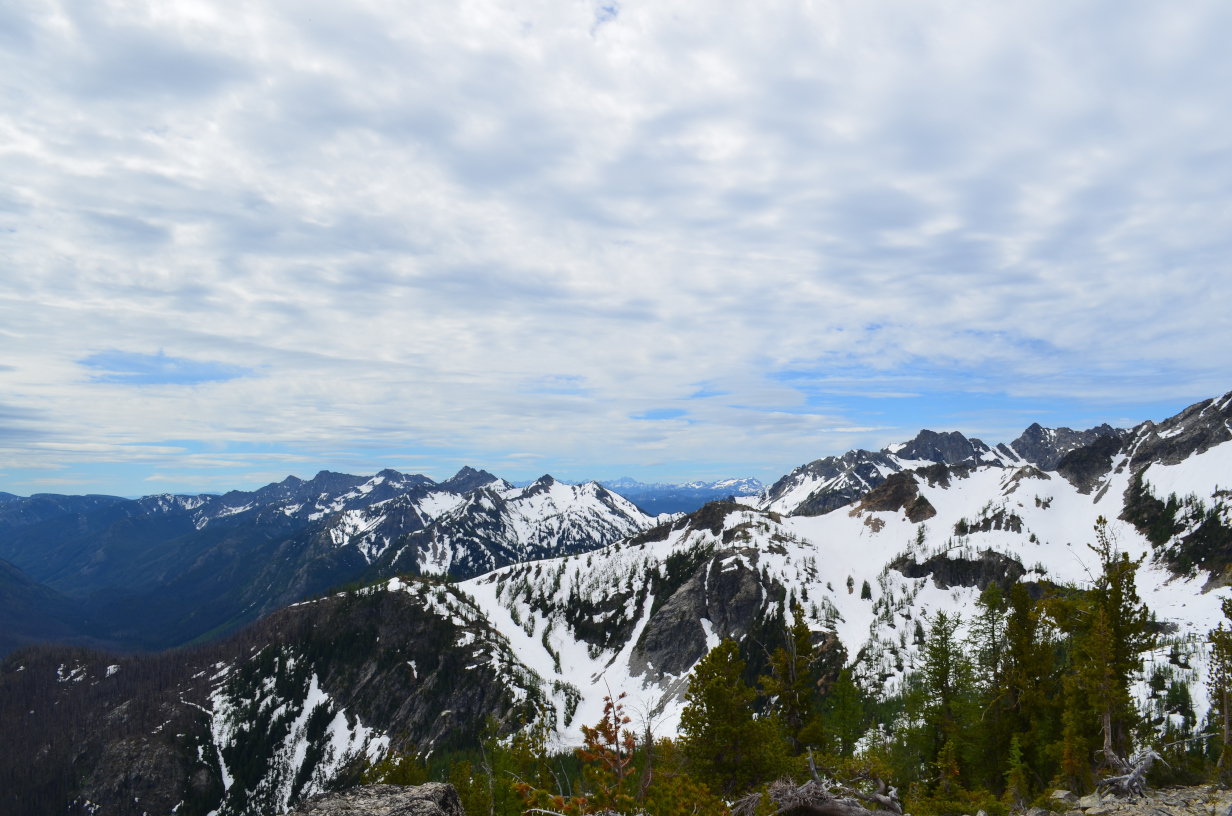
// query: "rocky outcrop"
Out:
[139,769]
[722,599]
[949,448]
[991,567]
[1045,447]
[898,492]
[432,799]
[837,481]
[491,528]
[1084,467]
[1195,430]
[1201,800]
[827,484]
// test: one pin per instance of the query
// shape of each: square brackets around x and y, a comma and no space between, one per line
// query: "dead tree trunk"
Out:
[820,797]
[1133,781]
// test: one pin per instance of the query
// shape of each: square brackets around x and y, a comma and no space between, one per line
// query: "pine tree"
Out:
[946,674]
[988,647]
[1028,660]
[1017,777]
[728,749]
[844,715]
[608,751]
[790,684]
[1119,631]
[1219,682]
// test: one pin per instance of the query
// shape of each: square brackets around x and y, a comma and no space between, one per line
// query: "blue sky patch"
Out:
[132,368]
[660,413]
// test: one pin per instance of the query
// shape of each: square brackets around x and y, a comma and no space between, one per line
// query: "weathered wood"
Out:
[820,797]
[1133,781]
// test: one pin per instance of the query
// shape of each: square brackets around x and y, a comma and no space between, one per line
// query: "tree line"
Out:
[1034,693]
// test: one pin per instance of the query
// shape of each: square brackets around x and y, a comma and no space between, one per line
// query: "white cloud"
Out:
[469,230]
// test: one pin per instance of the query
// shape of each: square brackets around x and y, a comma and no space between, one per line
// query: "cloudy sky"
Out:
[667,239]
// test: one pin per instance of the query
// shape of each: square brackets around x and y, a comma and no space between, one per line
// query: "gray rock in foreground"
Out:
[432,799]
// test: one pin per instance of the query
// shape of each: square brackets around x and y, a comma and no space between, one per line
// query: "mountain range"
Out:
[167,570]
[659,498]
[556,595]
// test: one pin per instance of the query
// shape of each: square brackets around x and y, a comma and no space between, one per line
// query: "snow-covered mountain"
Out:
[661,497]
[929,524]
[633,603]
[836,481]
[165,569]
[500,524]
[739,487]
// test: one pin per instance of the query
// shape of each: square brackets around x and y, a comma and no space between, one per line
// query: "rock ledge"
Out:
[432,799]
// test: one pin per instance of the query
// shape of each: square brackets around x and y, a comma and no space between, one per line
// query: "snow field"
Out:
[814,556]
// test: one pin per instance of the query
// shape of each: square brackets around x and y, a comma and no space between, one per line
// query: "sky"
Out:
[668,239]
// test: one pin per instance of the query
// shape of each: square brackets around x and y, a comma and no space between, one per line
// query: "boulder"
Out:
[432,799]
[1089,801]
[1065,796]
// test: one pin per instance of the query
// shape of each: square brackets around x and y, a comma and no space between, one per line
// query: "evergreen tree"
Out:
[1219,682]
[1118,632]
[791,684]
[1017,777]
[728,749]
[843,715]
[946,675]
[1030,679]
[988,648]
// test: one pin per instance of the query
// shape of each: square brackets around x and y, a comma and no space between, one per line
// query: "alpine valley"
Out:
[323,623]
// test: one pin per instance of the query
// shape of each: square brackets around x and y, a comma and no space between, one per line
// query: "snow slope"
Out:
[491,527]
[1039,520]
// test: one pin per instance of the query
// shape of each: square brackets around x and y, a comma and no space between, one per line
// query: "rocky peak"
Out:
[1195,430]
[950,448]
[1044,447]
[467,479]
[541,485]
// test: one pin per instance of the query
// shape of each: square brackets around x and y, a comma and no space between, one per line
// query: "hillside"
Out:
[248,724]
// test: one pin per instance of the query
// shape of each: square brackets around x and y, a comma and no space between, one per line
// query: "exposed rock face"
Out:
[726,593]
[432,799]
[1195,430]
[893,494]
[491,528]
[949,448]
[1044,447]
[991,567]
[1084,467]
[898,492]
[839,481]
[468,479]
[938,474]
[138,769]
